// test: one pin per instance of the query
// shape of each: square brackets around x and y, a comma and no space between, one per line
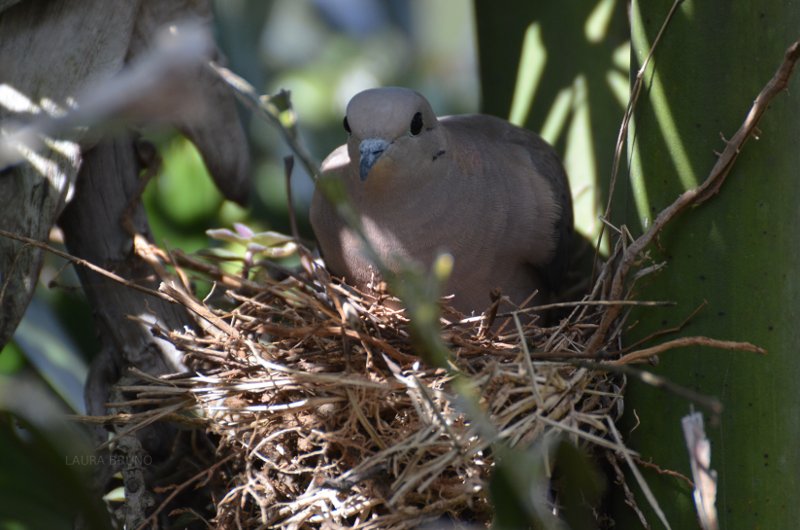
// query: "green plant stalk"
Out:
[738,251]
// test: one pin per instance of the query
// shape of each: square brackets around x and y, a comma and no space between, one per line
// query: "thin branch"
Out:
[667,331]
[776,85]
[626,120]
[630,498]
[263,107]
[188,300]
[648,493]
[87,264]
[666,472]
[683,342]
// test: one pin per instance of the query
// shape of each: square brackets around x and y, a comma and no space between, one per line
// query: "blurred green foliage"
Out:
[12,360]
[182,201]
[45,462]
[527,481]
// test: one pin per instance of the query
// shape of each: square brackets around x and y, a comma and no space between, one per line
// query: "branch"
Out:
[683,342]
[626,120]
[266,107]
[83,263]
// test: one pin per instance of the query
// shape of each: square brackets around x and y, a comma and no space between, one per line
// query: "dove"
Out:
[493,195]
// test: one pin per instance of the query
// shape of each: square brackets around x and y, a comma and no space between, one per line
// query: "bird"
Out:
[493,195]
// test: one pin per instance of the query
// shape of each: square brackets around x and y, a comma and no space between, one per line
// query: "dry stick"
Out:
[157,257]
[778,83]
[336,330]
[127,418]
[630,498]
[148,418]
[683,342]
[83,263]
[173,296]
[191,303]
[110,275]
[232,281]
[577,303]
[698,195]
[623,128]
[638,476]
[666,472]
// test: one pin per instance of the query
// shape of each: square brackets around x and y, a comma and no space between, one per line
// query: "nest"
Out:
[327,414]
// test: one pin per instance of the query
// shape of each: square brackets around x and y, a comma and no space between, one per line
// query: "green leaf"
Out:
[45,462]
[185,191]
[527,483]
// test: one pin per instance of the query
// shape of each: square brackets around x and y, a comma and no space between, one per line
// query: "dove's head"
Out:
[393,133]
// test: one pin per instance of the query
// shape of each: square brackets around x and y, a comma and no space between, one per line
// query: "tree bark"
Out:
[43,64]
[98,226]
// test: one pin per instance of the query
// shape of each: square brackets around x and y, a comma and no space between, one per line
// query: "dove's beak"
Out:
[370,149]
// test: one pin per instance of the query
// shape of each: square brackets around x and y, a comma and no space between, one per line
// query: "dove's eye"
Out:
[346,125]
[416,124]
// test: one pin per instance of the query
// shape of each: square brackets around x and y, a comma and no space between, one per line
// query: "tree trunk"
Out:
[739,252]
[39,73]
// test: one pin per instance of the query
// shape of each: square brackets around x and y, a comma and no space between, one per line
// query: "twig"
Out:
[683,342]
[335,331]
[711,403]
[232,281]
[666,331]
[623,128]
[148,418]
[578,303]
[248,96]
[666,472]
[724,164]
[122,418]
[87,264]
[630,498]
[639,478]
[191,303]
